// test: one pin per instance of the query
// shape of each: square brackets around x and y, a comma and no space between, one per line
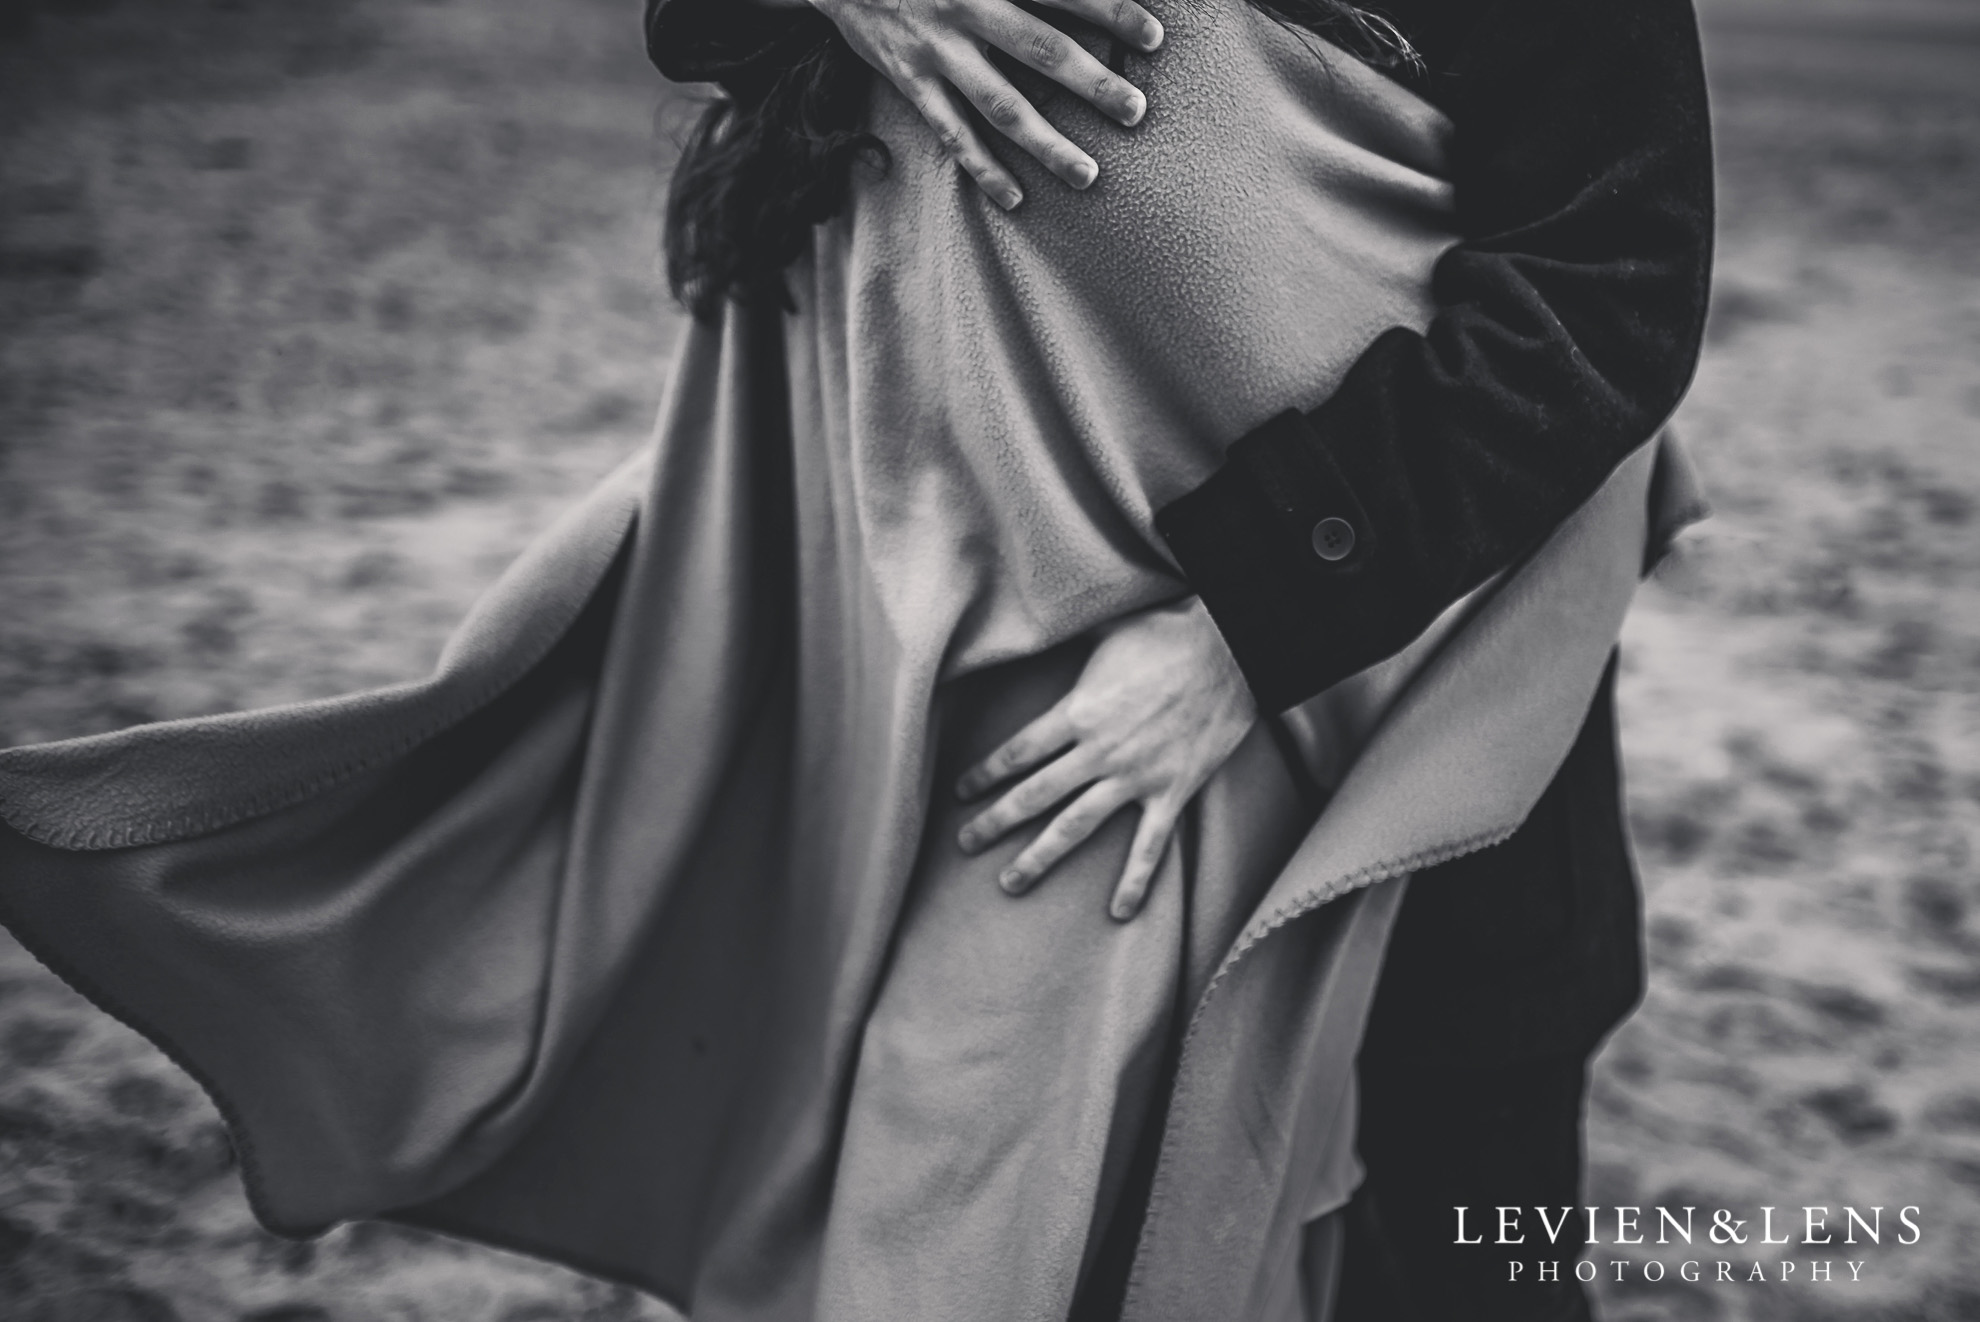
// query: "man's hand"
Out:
[1160,706]
[934,49]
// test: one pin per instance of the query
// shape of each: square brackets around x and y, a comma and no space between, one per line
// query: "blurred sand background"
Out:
[311,314]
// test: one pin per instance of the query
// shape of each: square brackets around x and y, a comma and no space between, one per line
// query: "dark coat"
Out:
[1569,324]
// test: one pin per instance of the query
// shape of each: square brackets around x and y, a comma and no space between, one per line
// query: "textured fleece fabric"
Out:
[1568,319]
[1566,322]
[626,938]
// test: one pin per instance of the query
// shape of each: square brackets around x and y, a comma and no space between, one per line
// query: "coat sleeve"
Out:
[1567,325]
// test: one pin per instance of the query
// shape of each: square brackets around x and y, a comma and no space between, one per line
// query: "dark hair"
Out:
[764,165]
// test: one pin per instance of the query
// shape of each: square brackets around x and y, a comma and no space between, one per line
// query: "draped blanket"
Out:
[573,945]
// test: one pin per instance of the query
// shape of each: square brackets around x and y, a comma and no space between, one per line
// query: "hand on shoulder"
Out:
[935,51]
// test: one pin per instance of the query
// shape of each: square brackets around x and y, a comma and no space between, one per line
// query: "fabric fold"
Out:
[592,943]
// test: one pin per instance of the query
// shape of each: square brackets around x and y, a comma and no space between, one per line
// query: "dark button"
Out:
[1333,539]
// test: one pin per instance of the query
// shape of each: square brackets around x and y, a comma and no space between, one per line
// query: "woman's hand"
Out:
[934,49]
[1160,706]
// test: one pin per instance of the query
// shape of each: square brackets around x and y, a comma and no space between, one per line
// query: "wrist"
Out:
[1215,648]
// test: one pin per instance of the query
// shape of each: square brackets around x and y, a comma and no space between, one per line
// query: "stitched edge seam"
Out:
[238,1139]
[233,812]
[1253,937]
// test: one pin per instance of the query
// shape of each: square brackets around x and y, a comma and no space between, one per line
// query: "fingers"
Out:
[1034,795]
[1017,119]
[1070,829]
[1066,62]
[1151,841]
[1047,735]
[960,141]
[933,52]
[1124,18]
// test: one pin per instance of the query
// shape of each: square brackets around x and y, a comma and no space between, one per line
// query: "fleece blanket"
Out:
[594,942]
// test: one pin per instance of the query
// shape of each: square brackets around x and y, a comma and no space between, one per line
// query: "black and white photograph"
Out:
[990,661]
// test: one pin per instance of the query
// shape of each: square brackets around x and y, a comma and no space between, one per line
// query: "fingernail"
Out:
[1083,173]
[1151,35]
[1137,106]
[1011,880]
[1121,910]
[965,788]
[1009,198]
[966,841]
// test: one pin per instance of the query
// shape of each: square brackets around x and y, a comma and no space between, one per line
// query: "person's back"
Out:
[1007,398]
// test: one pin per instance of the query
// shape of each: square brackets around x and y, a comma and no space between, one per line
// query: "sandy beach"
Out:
[310,317]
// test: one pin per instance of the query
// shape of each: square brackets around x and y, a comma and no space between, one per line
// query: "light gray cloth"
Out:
[613,940]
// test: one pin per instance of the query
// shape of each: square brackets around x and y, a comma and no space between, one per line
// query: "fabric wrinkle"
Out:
[728,1015]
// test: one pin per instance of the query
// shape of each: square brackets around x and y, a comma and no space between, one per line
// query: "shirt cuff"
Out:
[1287,560]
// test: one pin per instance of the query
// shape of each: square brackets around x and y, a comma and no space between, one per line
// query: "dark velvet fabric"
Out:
[1513,1139]
[1568,326]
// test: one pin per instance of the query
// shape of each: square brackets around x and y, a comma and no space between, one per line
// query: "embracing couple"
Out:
[1076,777]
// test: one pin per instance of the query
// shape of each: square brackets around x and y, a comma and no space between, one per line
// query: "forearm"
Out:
[1568,323]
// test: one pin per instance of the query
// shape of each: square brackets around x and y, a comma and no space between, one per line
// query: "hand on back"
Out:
[1158,708]
[936,51]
